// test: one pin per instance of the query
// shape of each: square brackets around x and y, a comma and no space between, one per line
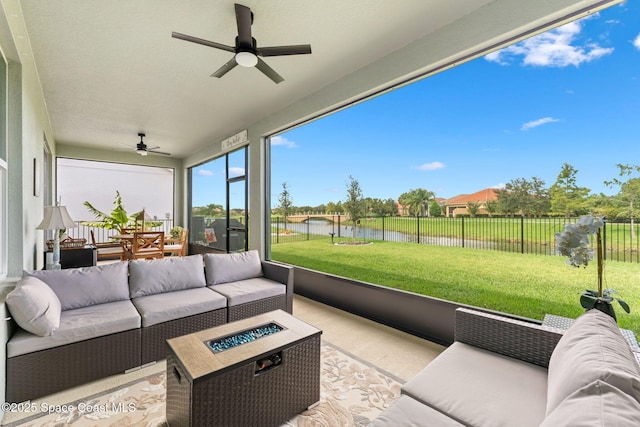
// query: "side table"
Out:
[74,257]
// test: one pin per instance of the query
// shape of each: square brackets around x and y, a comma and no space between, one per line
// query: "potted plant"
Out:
[176,232]
[574,242]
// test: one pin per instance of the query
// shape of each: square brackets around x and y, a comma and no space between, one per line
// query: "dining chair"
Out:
[177,246]
[106,250]
[147,245]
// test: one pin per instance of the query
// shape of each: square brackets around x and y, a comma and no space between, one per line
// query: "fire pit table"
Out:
[262,371]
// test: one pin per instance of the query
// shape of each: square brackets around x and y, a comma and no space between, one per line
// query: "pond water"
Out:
[325,228]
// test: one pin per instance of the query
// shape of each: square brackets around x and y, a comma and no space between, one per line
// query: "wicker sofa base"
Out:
[48,371]
[242,311]
[44,372]
[154,346]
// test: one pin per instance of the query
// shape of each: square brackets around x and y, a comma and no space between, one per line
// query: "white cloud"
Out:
[430,166]
[278,140]
[204,172]
[554,48]
[236,171]
[539,122]
[636,42]
[500,186]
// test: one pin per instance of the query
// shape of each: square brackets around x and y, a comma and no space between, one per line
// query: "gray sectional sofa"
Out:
[82,324]
[506,372]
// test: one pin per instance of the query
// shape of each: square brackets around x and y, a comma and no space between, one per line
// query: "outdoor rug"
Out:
[353,392]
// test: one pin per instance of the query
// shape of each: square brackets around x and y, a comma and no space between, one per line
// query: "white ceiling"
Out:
[110,69]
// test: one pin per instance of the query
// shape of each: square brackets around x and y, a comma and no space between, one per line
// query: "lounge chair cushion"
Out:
[410,413]
[150,277]
[79,325]
[34,306]
[595,405]
[249,290]
[481,388]
[160,308]
[225,268]
[85,286]
[591,349]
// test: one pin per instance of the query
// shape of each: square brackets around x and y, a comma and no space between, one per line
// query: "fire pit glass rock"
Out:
[240,338]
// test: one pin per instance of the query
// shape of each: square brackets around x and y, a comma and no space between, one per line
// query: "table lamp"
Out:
[56,218]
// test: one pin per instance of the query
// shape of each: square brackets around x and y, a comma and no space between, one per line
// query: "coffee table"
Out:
[263,381]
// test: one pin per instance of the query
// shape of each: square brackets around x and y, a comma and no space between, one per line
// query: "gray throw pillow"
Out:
[225,268]
[86,286]
[34,306]
[591,349]
[149,277]
[595,405]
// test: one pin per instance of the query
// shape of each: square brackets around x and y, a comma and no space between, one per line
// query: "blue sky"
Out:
[569,95]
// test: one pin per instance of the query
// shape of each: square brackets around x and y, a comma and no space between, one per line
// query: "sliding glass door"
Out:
[218,202]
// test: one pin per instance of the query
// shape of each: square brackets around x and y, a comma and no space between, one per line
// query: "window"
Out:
[218,201]
[3,219]
[509,119]
[141,187]
[3,166]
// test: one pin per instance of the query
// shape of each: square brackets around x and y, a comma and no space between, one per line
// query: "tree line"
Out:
[519,197]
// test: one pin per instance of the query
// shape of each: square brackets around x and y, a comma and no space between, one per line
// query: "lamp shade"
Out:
[56,218]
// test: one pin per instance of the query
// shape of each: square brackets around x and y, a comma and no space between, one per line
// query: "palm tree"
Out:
[117,219]
[417,200]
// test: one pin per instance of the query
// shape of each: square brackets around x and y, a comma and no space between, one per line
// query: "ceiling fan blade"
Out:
[268,71]
[202,42]
[301,49]
[158,152]
[244,19]
[225,68]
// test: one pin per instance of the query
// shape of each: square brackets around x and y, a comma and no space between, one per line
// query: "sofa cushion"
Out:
[168,306]
[225,268]
[79,325]
[149,277]
[34,306]
[409,412]
[481,388]
[591,349]
[249,290]
[597,404]
[85,286]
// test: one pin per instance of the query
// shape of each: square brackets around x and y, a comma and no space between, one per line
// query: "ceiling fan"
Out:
[142,149]
[246,51]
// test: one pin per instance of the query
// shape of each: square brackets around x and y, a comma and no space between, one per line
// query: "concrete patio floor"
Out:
[391,350]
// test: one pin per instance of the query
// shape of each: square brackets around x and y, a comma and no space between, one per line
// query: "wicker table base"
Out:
[232,387]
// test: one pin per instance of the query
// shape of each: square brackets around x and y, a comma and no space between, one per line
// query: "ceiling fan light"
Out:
[246,59]
[142,152]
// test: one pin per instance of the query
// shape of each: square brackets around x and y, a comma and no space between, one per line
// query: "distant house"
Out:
[457,205]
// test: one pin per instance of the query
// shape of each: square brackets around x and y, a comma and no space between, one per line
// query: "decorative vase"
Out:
[605,307]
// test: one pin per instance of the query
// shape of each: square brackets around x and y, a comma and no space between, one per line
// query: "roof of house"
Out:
[478,196]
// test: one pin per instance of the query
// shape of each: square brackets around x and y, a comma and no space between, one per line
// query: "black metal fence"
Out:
[523,235]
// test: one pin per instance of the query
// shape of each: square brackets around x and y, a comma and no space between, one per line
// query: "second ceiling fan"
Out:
[246,51]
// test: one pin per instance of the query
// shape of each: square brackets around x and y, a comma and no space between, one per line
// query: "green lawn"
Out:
[526,285]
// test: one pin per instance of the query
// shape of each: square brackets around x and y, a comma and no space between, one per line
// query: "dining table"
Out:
[127,243]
